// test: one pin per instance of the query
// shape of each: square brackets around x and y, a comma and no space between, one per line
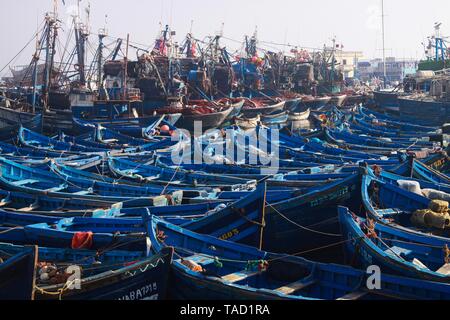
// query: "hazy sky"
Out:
[355,23]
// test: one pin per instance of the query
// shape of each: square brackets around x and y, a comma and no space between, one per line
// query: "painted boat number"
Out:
[142,293]
[229,235]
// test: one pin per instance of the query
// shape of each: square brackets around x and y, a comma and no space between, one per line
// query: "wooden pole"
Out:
[263,218]
[125,76]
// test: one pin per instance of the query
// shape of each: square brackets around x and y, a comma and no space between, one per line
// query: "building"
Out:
[347,62]
[396,70]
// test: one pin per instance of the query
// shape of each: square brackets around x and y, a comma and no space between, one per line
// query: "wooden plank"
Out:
[56,189]
[398,251]
[355,295]
[82,193]
[445,270]
[296,286]
[24,182]
[239,276]
[29,209]
[199,259]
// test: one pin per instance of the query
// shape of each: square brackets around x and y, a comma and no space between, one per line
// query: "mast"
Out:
[101,36]
[35,71]
[333,60]
[125,71]
[80,38]
[50,40]
[384,43]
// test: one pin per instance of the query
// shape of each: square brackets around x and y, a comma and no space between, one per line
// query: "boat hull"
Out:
[430,112]
[387,101]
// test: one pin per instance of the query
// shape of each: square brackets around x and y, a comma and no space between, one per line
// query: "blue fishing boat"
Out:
[420,170]
[32,139]
[243,221]
[207,267]
[387,100]
[62,207]
[79,233]
[127,126]
[146,279]
[361,141]
[397,123]
[107,275]
[308,216]
[394,251]
[389,204]
[15,150]
[17,277]
[22,178]
[11,120]
[141,172]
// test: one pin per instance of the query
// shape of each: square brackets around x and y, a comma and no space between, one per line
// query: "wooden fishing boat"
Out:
[253,108]
[377,129]
[21,151]
[337,100]
[86,144]
[392,178]
[400,124]
[388,204]
[394,143]
[299,116]
[17,277]
[32,139]
[12,119]
[386,150]
[247,123]
[56,120]
[127,126]
[62,207]
[314,103]
[237,105]
[354,99]
[81,178]
[418,169]
[221,270]
[17,177]
[79,233]
[392,250]
[275,118]
[165,176]
[387,100]
[314,212]
[109,275]
[425,108]
[210,117]
[146,279]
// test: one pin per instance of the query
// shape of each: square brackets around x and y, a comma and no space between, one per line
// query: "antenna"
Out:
[192,25]
[220,33]
[88,17]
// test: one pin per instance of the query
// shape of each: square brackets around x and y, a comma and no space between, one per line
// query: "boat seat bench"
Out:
[402,252]
[24,182]
[239,276]
[356,295]
[199,259]
[82,193]
[296,286]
